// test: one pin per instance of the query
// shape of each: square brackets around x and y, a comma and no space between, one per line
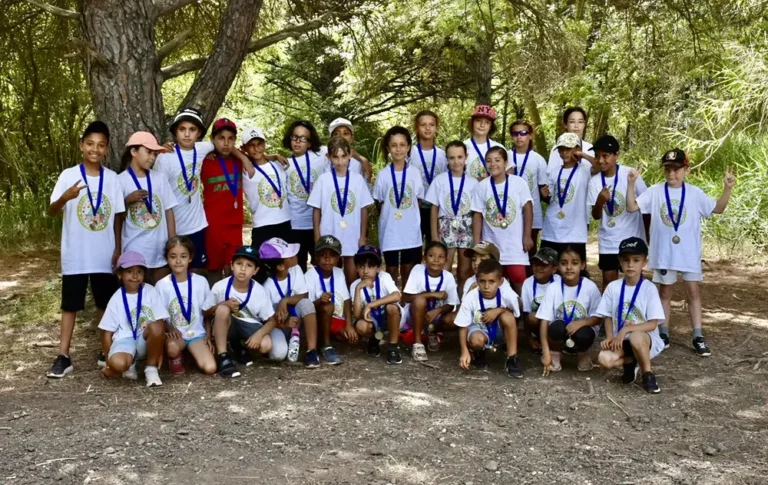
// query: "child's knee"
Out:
[120,362]
[155,330]
[665,292]
[325,309]
[174,347]
[266,344]
[222,313]
[639,340]
[419,303]
[692,289]
[477,340]
[208,367]
[393,311]
[364,327]
[608,359]
[508,321]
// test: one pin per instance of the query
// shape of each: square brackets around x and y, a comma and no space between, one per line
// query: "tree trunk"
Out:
[539,140]
[484,71]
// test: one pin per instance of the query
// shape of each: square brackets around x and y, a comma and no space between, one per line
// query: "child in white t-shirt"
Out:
[428,159]
[607,196]
[575,122]
[567,314]
[632,310]
[132,326]
[184,293]
[343,128]
[487,317]
[148,200]
[477,254]
[450,218]
[676,210]
[544,264]
[340,201]
[481,126]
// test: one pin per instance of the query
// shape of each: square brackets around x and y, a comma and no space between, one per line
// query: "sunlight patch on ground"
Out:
[4,285]
[226,395]
[234,408]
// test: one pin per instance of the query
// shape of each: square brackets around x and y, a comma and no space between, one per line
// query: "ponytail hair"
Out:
[126,157]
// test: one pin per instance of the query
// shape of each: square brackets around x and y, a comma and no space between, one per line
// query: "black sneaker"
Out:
[61,367]
[649,383]
[665,339]
[226,367]
[700,346]
[630,373]
[312,359]
[241,354]
[478,359]
[374,347]
[101,361]
[512,368]
[393,355]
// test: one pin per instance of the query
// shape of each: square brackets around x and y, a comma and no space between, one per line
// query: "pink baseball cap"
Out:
[485,111]
[145,139]
[129,259]
[276,248]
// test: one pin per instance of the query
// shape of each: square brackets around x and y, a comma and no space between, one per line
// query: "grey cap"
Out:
[547,256]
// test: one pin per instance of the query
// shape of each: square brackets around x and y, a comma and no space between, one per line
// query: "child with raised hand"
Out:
[266,188]
[676,210]
[503,215]
[329,292]
[340,201]
[430,296]
[481,126]
[242,311]
[478,253]
[632,310]
[132,327]
[148,200]
[398,192]
[451,219]
[544,264]
[288,293]
[607,197]
[375,301]
[89,196]
[428,159]
[566,315]
[575,122]
[184,293]
[358,164]
[486,319]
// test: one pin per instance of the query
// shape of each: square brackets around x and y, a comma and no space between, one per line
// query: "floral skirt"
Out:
[455,232]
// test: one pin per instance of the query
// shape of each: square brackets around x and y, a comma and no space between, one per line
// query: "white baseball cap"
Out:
[340,122]
[276,248]
[251,133]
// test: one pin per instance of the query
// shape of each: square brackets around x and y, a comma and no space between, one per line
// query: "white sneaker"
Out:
[434,342]
[152,377]
[293,349]
[418,353]
[131,372]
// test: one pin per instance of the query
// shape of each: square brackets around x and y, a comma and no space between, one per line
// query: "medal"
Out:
[186,312]
[675,223]
[189,181]
[152,223]
[247,297]
[482,158]
[621,317]
[456,202]
[676,239]
[504,225]
[94,207]
[134,328]
[525,161]
[376,312]
[399,194]
[308,182]
[561,196]
[610,205]
[398,215]
[333,287]
[281,203]
[190,333]
[611,223]
[343,224]
[148,199]
[501,206]
[456,223]
[428,174]
[494,326]
[561,215]
[232,184]
[341,199]
[570,343]
[431,303]
[568,318]
[379,335]
[277,187]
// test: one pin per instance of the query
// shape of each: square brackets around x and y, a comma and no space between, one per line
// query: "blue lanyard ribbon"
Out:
[94,207]
[631,303]
[611,204]
[186,312]
[456,202]
[431,303]
[493,326]
[248,296]
[148,199]
[675,223]
[134,328]
[561,196]
[306,183]
[341,200]
[551,280]
[232,184]
[429,174]
[288,292]
[502,207]
[377,312]
[566,317]
[477,149]
[322,284]
[525,162]
[278,188]
[189,180]
[398,196]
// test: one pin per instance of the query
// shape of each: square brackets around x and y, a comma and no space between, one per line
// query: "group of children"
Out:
[174,217]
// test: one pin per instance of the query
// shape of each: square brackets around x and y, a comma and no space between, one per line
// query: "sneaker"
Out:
[241,354]
[478,359]
[61,367]
[312,359]
[131,372]
[512,368]
[631,371]
[152,377]
[700,346]
[374,347]
[225,366]
[101,360]
[393,355]
[665,339]
[418,353]
[649,383]
[293,349]
[176,366]
[330,356]
[433,344]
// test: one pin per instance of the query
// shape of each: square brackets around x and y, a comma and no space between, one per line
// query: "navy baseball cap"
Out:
[246,252]
[368,250]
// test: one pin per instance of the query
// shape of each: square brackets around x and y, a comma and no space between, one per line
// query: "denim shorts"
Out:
[137,348]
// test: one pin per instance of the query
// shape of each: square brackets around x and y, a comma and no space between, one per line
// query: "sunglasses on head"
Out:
[521,133]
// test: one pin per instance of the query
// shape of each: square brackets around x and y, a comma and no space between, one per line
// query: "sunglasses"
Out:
[515,134]
[300,139]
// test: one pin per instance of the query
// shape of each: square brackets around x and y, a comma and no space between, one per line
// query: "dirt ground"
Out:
[367,423]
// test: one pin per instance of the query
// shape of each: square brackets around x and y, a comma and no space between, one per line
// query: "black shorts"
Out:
[200,260]
[609,262]
[306,240]
[559,247]
[259,235]
[75,286]
[629,351]
[403,256]
[426,226]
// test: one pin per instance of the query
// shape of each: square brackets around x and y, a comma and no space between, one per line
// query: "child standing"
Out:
[132,326]
[544,264]
[450,219]
[575,122]
[359,164]
[340,200]
[632,309]
[398,193]
[89,196]
[607,192]
[148,198]
[481,126]
[428,159]
[676,209]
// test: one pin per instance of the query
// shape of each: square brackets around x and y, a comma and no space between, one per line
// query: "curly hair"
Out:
[314,138]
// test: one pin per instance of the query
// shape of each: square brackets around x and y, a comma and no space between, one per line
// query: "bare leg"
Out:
[641,345]
[394,272]
[509,324]
[67,327]
[694,302]
[203,357]
[609,276]
[405,272]
[174,347]
[324,319]
[418,310]
[154,334]
[221,321]
[160,273]
[449,260]
[463,269]
[665,293]
[117,364]
[309,322]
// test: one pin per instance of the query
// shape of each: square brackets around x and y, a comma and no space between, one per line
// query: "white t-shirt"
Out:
[188,212]
[573,227]
[584,305]
[403,233]
[435,157]
[439,194]
[298,286]
[475,166]
[88,241]
[325,198]
[627,224]
[145,232]
[340,289]
[416,284]
[387,287]
[535,174]
[509,240]
[664,254]
[257,308]
[470,312]
[263,200]
[473,279]
[116,320]
[301,213]
[555,162]
[200,292]
[533,295]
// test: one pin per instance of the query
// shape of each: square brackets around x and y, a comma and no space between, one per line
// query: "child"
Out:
[481,126]
[566,314]
[532,168]
[429,160]
[632,309]
[430,296]
[575,122]
[676,209]
[398,193]
[183,293]
[148,198]
[607,198]
[477,254]
[487,317]
[132,326]
[89,197]
[182,166]
[288,293]
[503,214]
[450,219]
[266,189]
[375,301]
[358,164]
[544,264]
[329,292]
[340,200]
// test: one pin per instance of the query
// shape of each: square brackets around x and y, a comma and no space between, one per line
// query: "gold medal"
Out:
[398,215]
[611,223]
[379,335]
[456,223]
[190,333]
[343,224]
[570,343]
[281,203]
[561,215]
[152,223]
[676,239]
[93,226]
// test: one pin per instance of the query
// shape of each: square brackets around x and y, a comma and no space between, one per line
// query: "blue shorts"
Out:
[499,337]
[193,339]
[200,261]
[137,348]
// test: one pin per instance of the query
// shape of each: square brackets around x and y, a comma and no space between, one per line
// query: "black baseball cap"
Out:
[607,144]
[193,116]
[328,242]
[633,245]
[246,252]
[368,250]
[675,156]
[547,256]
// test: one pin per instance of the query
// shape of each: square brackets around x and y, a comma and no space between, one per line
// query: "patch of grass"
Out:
[32,307]
[26,224]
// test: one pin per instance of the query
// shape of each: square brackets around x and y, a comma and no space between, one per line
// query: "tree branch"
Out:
[172,45]
[396,105]
[163,7]
[61,12]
